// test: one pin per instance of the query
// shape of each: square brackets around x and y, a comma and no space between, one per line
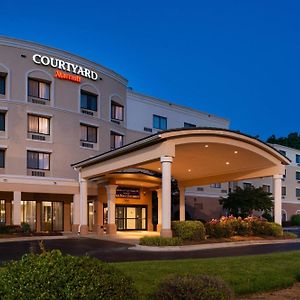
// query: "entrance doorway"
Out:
[52,216]
[131,217]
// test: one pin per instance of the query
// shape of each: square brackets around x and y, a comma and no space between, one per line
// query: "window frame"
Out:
[297,193]
[297,159]
[2,158]
[3,83]
[115,134]
[297,175]
[113,111]
[4,121]
[160,123]
[88,94]
[39,81]
[39,117]
[88,126]
[38,160]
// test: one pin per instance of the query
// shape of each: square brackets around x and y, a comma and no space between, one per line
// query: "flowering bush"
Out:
[230,226]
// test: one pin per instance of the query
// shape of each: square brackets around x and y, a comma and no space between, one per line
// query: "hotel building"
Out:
[56,109]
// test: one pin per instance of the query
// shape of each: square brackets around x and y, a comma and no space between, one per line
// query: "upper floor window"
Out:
[298,193]
[246,185]
[2,158]
[2,83]
[88,133]
[159,122]
[297,175]
[188,125]
[297,159]
[117,111]
[38,89]
[116,140]
[283,191]
[88,101]
[38,160]
[282,152]
[2,121]
[266,188]
[216,185]
[38,124]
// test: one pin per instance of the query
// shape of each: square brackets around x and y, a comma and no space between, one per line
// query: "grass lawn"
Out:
[245,274]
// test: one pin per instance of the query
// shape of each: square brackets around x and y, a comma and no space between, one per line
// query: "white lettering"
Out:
[35,58]
[45,60]
[94,75]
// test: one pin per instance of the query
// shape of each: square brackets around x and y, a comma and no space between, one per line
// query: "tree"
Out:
[242,202]
[292,140]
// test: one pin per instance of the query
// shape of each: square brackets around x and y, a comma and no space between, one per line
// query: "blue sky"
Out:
[235,59]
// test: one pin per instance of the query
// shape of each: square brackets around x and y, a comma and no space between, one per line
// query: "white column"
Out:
[111,209]
[159,209]
[166,163]
[76,213]
[17,208]
[181,203]
[277,198]
[83,225]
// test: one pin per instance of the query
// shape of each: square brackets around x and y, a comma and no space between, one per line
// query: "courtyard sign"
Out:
[64,66]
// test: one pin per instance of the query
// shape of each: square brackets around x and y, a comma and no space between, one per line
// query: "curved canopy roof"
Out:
[200,156]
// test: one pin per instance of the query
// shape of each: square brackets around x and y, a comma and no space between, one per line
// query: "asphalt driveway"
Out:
[116,252]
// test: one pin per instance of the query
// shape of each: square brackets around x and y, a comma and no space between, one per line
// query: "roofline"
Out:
[33,46]
[156,138]
[168,103]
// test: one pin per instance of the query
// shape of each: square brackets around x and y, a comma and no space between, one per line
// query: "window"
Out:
[2,158]
[2,211]
[297,159]
[159,122]
[88,133]
[2,83]
[246,185]
[297,175]
[38,124]
[117,111]
[38,89]
[38,160]
[298,193]
[216,185]
[2,121]
[282,152]
[116,140]
[266,188]
[188,125]
[283,191]
[88,101]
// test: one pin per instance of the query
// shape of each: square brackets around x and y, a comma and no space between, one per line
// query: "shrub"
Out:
[200,287]
[160,241]
[262,227]
[51,275]
[189,230]
[8,229]
[290,235]
[295,219]
[25,227]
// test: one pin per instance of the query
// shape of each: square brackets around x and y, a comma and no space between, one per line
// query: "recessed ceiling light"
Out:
[158,169]
[236,152]
[189,170]
[227,163]
[206,146]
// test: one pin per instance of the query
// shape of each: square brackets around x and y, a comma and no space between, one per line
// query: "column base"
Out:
[75,228]
[111,229]
[158,227]
[84,230]
[166,233]
[99,229]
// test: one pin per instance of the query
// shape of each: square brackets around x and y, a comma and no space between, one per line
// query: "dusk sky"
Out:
[235,59]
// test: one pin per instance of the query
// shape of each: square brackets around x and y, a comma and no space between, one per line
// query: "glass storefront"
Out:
[52,216]
[29,213]
[131,217]
[91,215]
[2,211]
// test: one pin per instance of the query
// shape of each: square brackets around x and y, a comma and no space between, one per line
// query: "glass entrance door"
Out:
[131,217]
[52,216]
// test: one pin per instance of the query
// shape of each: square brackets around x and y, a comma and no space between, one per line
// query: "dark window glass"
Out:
[38,124]
[297,192]
[88,133]
[88,101]
[116,140]
[2,158]
[246,185]
[38,89]
[297,158]
[216,185]
[2,121]
[282,152]
[283,191]
[297,175]
[117,111]
[159,122]
[188,125]
[2,84]
[266,188]
[38,160]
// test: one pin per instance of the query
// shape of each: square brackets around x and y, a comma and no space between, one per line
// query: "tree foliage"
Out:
[242,202]
[292,140]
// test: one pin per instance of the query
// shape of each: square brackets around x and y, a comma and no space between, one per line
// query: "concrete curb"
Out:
[33,238]
[210,246]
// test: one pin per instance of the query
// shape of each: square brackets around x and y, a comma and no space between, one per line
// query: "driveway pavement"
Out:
[111,251]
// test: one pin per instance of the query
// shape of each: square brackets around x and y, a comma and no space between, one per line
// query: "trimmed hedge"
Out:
[9,229]
[295,219]
[200,287]
[160,241]
[189,230]
[52,275]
